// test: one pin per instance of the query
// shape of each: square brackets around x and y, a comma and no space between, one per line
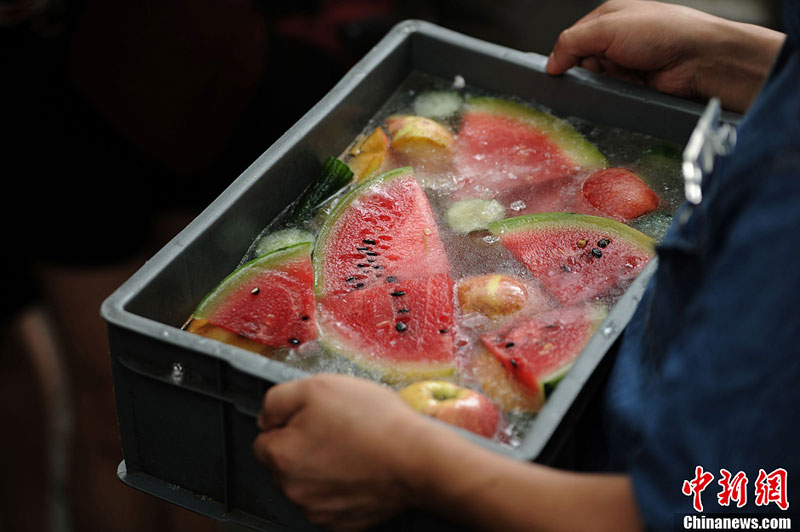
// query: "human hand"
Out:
[338,447]
[672,48]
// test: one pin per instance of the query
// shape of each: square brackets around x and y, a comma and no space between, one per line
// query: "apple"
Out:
[453,404]
[368,154]
[620,193]
[493,295]
[417,135]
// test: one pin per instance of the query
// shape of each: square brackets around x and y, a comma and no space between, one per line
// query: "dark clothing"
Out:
[708,373]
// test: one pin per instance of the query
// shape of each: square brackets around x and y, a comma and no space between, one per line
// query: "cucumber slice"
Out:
[473,214]
[437,105]
[335,175]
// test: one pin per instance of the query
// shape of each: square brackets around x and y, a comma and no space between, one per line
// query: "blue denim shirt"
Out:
[708,372]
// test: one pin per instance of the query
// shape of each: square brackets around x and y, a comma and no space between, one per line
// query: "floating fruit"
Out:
[493,295]
[576,257]
[620,194]
[269,300]
[368,154]
[539,350]
[383,229]
[402,330]
[417,136]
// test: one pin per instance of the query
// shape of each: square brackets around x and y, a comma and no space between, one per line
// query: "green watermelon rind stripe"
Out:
[269,261]
[559,131]
[584,221]
[392,371]
[333,217]
[596,314]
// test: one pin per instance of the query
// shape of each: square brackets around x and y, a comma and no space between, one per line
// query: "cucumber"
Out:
[473,214]
[335,175]
[437,105]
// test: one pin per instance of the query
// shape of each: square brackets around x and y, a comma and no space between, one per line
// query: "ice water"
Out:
[479,252]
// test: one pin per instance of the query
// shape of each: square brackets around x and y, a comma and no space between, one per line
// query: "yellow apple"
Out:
[493,295]
[417,136]
[368,154]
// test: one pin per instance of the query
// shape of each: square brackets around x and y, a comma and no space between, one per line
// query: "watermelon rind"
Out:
[596,313]
[561,132]
[342,206]
[250,269]
[565,219]
[394,374]
[282,238]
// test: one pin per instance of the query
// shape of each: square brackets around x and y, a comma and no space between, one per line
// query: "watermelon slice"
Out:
[402,330]
[614,193]
[269,300]
[620,194]
[504,144]
[576,257]
[383,229]
[539,350]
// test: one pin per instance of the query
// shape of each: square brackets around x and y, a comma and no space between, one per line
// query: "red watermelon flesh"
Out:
[383,229]
[269,300]
[620,194]
[576,257]
[401,329]
[538,350]
[502,144]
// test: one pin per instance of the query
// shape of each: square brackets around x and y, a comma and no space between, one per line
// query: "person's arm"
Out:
[675,49]
[351,453]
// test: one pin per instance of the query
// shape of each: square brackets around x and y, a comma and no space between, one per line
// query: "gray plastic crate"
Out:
[187,405]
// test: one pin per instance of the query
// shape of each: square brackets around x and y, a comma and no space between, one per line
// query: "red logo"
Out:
[696,486]
[768,487]
[733,489]
[772,488]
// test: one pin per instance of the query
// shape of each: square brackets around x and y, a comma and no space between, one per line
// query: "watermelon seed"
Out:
[398,293]
[370,242]
[509,344]
[391,279]
[513,363]
[603,242]
[370,260]
[359,285]
[596,253]
[350,279]
[362,265]
[294,341]
[378,267]
[403,311]
[371,254]
[305,318]
[566,268]
[400,326]
[582,243]
[255,291]
[363,249]
[443,331]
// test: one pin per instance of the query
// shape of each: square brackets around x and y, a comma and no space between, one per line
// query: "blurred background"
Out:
[122,121]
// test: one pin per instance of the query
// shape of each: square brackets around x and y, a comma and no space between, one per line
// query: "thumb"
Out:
[281,403]
[582,40]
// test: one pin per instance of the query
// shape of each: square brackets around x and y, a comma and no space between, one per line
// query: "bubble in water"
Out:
[491,239]
[517,205]
[459,82]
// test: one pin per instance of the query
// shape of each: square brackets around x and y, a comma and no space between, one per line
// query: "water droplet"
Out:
[491,239]
[517,205]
